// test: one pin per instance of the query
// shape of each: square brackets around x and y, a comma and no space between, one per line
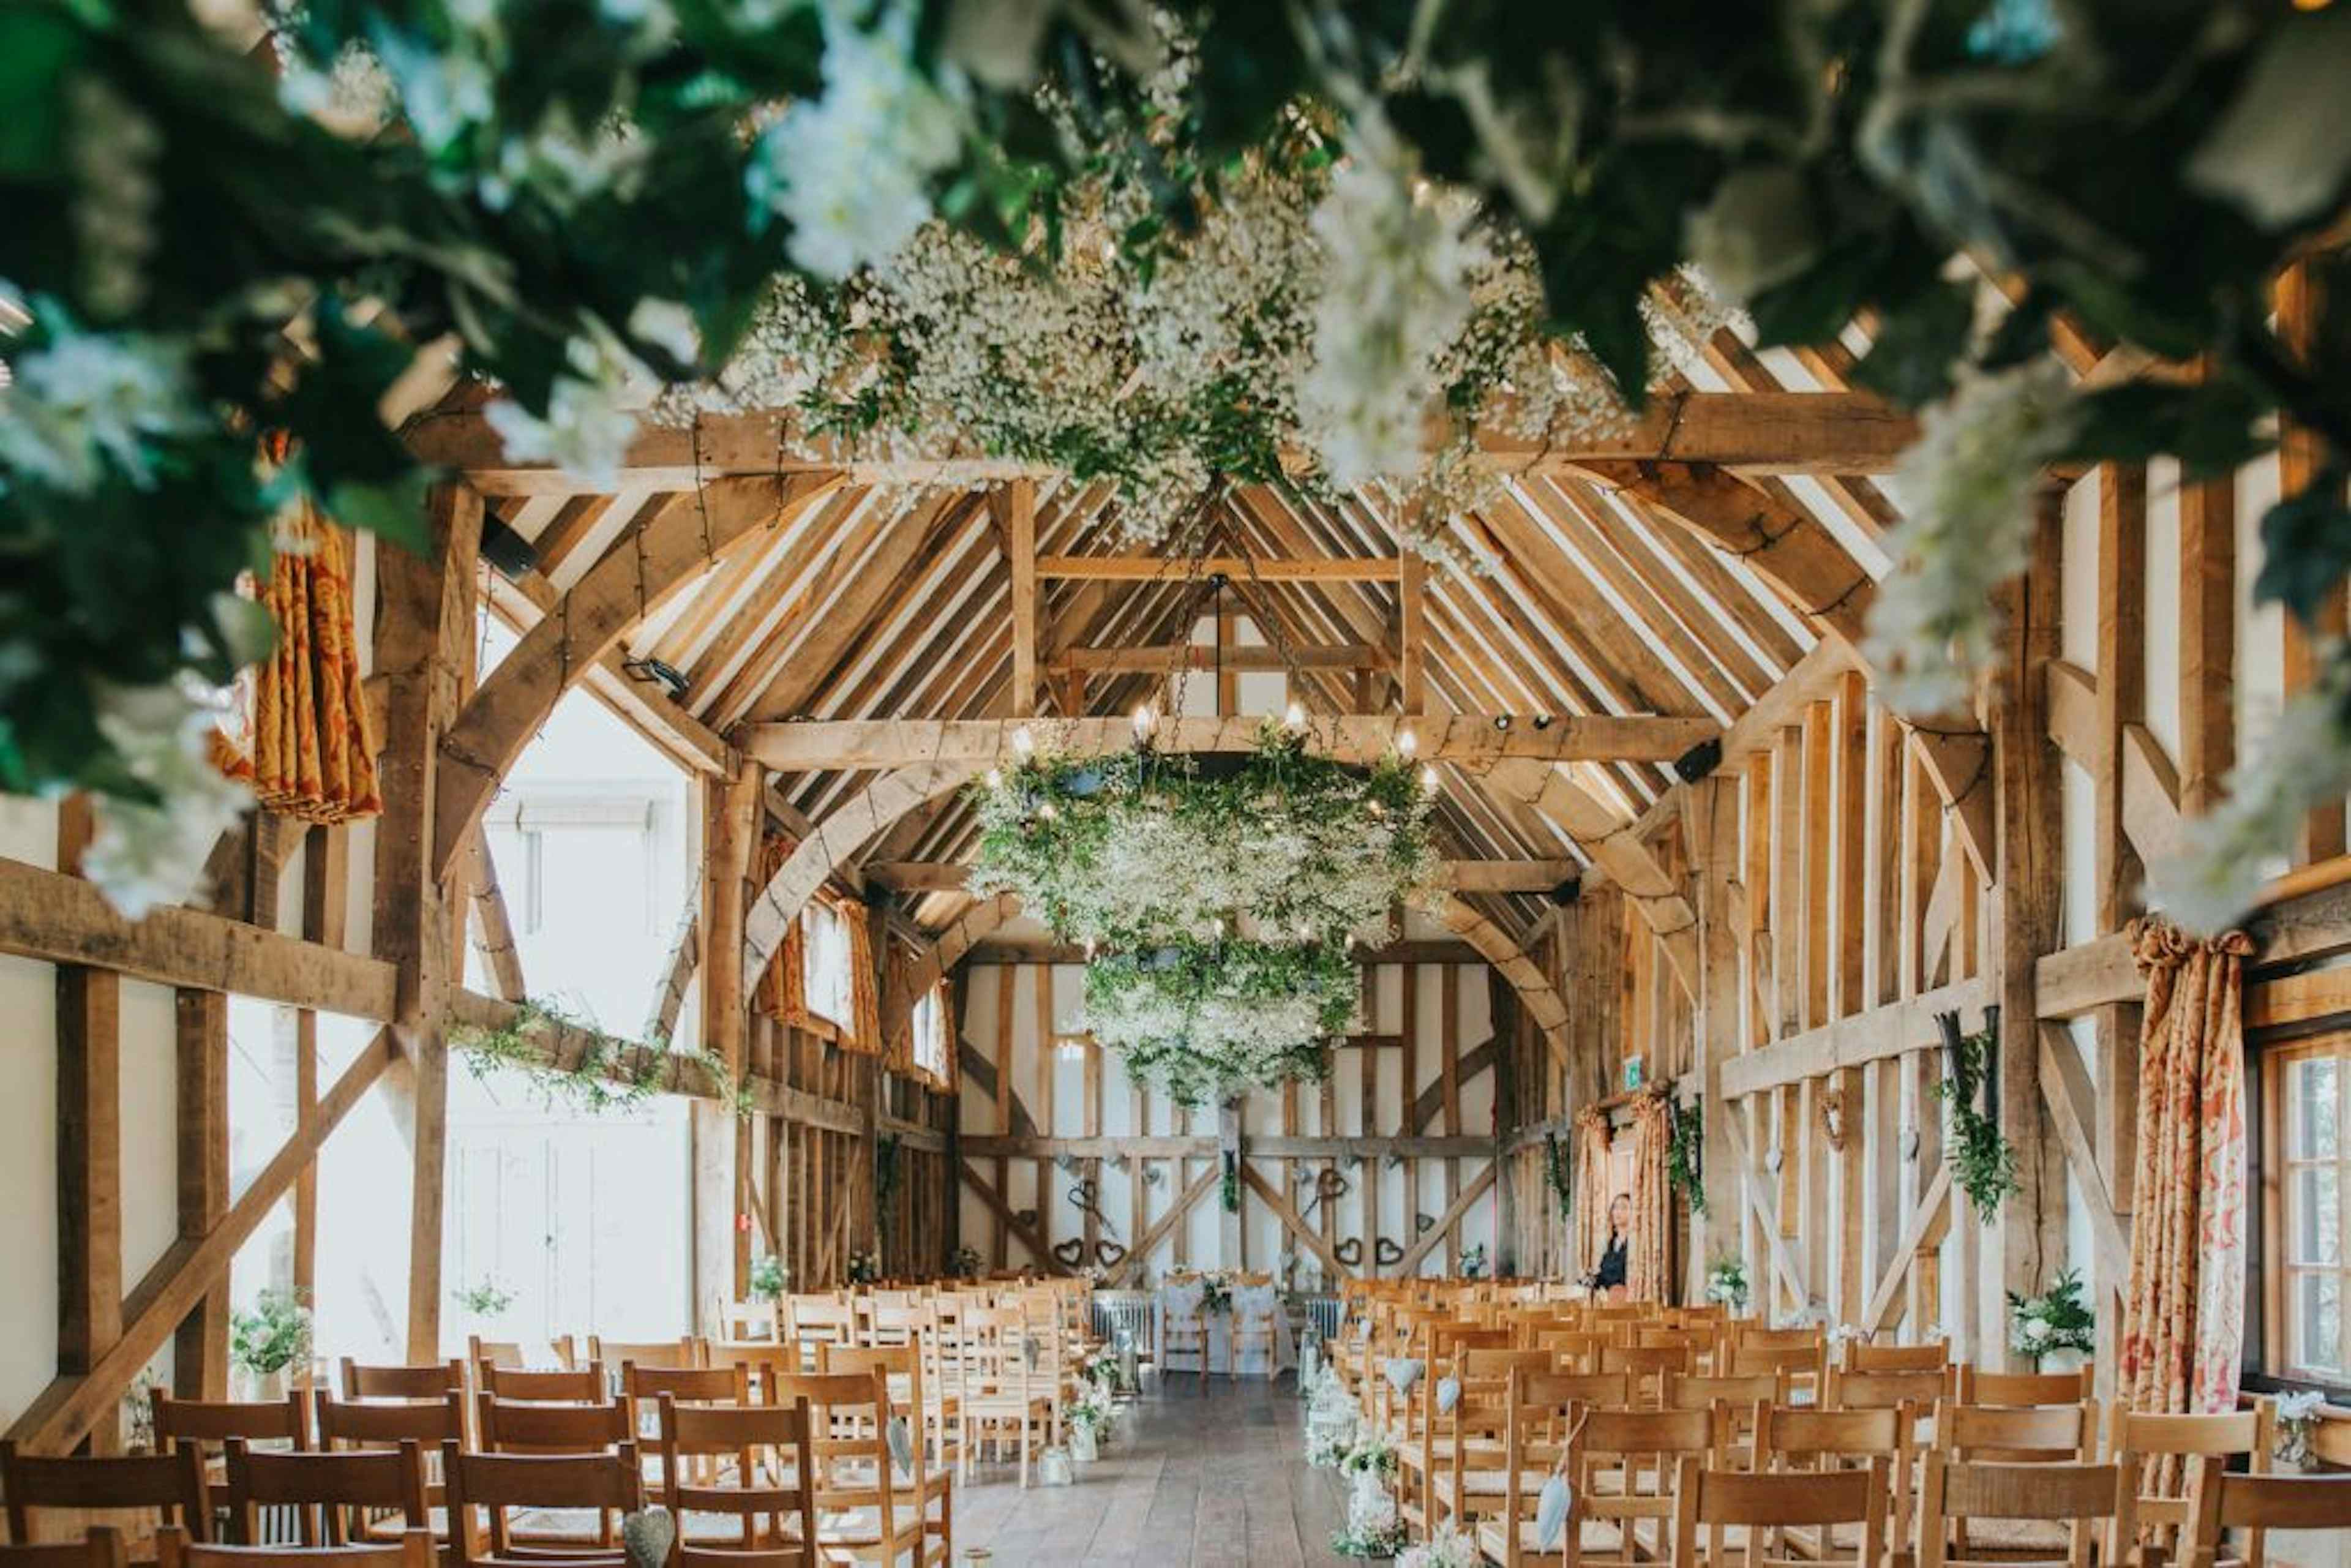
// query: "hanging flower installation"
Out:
[1215,902]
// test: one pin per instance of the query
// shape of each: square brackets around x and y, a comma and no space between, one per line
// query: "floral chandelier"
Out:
[1216,898]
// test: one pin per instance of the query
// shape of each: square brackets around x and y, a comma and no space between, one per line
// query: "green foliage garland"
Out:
[1559,1173]
[606,1074]
[1685,1154]
[1983,1162]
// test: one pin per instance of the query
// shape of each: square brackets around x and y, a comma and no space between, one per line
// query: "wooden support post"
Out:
[90,1176]
[200,1358]
[2302,459]
[2030,880]
[425,636]
[1714,838]
[1411,636]
[1021,549]
[325,893]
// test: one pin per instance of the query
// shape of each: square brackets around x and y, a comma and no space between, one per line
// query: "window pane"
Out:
[2317,1215]
[2313,1101]
[2318,1333]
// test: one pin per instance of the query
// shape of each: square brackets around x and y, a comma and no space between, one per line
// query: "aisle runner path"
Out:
[1200,1477]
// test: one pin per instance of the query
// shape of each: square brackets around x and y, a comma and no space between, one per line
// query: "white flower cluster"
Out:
[1398,257]
[1449,1548]
[588,425]
[1967,483]
[87,398]
[146,855]
[850,168]
[2227,853]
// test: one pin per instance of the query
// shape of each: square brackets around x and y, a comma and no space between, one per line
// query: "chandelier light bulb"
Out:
[995,779]
[1408,742]
[1429,779]
[1295,717]
[1144,721]
[1023,743]
[1047,810]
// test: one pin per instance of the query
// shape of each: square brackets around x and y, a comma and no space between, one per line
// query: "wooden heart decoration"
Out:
[1422,1223]
[1386,1252]
[1070,1253]
[1025,1216]
[1109,1254]
[1082,1192]
[647,1536]
[1350,1252]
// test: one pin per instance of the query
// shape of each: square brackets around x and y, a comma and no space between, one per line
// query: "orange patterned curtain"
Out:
[864,1032]
[306,750]
[2183,1323]
[1647,1274]
[783,990]
[1591,1194]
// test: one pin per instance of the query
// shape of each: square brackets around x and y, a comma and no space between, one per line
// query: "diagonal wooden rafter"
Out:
[690,533]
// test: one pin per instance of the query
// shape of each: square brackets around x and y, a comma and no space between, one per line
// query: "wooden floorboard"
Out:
[1193,1475]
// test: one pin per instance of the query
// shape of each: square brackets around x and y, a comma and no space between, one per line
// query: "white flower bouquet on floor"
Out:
[1449,1548]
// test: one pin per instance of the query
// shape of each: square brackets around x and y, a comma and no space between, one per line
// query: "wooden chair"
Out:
[748,1321]
[101,1547]
[1544,1416]
[170,1485]
[2092,1502]
[1000,1388]
[430,1381]
[571,1385]
[1934,1355]
[332,1495]
[662,1353]
[1649,1366]
[760,1363]
[1884,1390]
[2026,1435]
[863,1513]
[759,1439]
[2154,1450]
[640,1385]
[175,1550]
[1804,1440]
[1578,1350]
[1632,1446]
[509,1352]
[1254,1332]
[532,1426]
[206,1425]
[901,1370]
[1183,1339]
[1711,1503]
[609,1484]
[2024,1387]
[2218,1500]
[1804,1362]
[377,1423]
[1737,1397]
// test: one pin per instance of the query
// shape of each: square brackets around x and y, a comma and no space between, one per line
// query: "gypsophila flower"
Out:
[850,168]
[146,855]
[588,425]
[1449,1548]
[1967,482]
[2227,853]
[82,400]
[1395,288]
[110,150]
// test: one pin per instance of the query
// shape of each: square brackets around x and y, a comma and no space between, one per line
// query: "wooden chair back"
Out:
[773,1467]
[2022,1434]
[413,1549]
[1649,1366]
[1798,1439]
[1698,1391]
[760,1363]
[572,1386]
[100,1547]
[658,1352]
[2024,1387]
[533,1427]
[430,1381]
[1641,1449]
[1934,1355]
[1577,1349]
[849,1445]
[2218,1500]
[170,1486]
[509,1352]
[379,1423]
[498,1485]
[639,1386]
[2153,1451]
[747,1321]
[331,1494]
[1802,1363]
[1709,1502]
[1885,1390]
[214,1422]
[2093,1502]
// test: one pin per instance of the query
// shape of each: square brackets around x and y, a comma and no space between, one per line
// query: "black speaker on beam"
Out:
[507,551]
[1698,761]
[1568,891]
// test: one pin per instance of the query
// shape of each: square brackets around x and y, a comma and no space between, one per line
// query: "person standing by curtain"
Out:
[1608,1279]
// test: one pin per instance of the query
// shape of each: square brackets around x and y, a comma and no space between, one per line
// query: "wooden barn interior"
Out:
[1693,860]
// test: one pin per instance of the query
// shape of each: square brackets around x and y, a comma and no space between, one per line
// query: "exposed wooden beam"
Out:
[1761,433]
[1020,549]
[1162,658]
[1469,739]
[1461,876]
[63,919]
[1241,569]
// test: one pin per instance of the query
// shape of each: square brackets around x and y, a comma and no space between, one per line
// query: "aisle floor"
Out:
[1194,1475]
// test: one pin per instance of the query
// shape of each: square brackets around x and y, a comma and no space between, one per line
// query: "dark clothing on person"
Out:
[1611,1271]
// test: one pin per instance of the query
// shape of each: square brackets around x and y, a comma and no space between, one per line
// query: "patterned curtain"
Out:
[781,992]
[304,745]
[2183,1322]
[1647,1275]
[1591,1194]
[864,1032]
